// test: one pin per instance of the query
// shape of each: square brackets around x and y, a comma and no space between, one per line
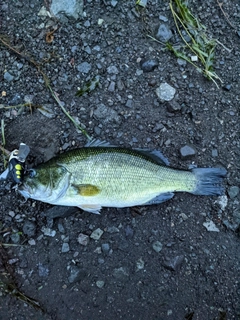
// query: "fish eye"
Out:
[32,173]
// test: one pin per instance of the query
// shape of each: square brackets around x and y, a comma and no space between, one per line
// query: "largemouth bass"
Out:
[99,176]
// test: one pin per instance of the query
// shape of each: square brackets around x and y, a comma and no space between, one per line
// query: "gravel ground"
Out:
[177,260]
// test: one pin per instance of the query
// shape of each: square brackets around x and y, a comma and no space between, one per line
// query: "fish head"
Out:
[46,184]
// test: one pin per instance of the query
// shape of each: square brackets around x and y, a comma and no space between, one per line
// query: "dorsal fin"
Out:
[98,143]
[156,155]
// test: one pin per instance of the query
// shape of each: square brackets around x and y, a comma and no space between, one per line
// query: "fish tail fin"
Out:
[209,181]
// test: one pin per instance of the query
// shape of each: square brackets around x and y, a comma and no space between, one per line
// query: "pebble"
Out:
[173,106]
[106,114]
[121,273]
[100,284]
[210,226]
[84,67]
[43,271]
[111,87]
[140,264]
[48,232]
[15,237]
[233,191]
[165,92]
[164,33]
[187,152]
[214,153]
[222,201]
[112,70]
[83,239]
[96,234]
[76,274]
[149,65]
[65,247]
[163,18]
[105,248]
[70,8]
[173,264]
[227,87]
[8,76]
[129,103]
[112,229]
[157,246]
[29,228]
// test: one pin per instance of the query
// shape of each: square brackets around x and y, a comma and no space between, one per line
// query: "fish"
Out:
[103,175]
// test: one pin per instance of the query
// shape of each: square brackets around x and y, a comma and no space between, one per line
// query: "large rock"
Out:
[69,8]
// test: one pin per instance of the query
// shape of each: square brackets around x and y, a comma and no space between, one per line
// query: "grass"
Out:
[199,44]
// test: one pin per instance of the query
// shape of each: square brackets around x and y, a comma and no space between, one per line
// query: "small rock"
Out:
[106,114]
[112,229]
[83,239]
[15,237]
[140,264]
[157,246]
[84,67]
[163,18]
[105,248]
[222,201]
[112,70]
[174,264]
[164,33]
[165,92]
[187,152]
[111,87]
[29,228]
[214,153]
[65,247]
[100,284]
[129,103]
[233,191]
[128,232]
[77,274]
[70,8]
[181,62]
[7,76]
[43,271]
[227,87]
[121,273]
[48,232]
[149,65]
[96,234]
[173,106]
[210,226]
[31,242]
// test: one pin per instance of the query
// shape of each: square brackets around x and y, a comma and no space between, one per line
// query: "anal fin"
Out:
[91,208]
[159,199]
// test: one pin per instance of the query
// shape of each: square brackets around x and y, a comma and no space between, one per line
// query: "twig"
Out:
[47,84]
[225,15]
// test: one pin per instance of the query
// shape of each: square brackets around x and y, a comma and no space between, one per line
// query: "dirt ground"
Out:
[157,262]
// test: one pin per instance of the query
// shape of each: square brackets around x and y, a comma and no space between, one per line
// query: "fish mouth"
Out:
[24,191]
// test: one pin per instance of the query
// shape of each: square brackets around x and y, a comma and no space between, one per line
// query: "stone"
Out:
[100,284]
[121,273]
[164,33]
[210,226]
[83,239]
[187,152]
[157,246]
[165,92]
[149,65]
[8,77]
[173,106]
[106,114]
[84,67]
[233,191]
[69,8]
[174,263]
[29,228]
[96,234]
[65,247]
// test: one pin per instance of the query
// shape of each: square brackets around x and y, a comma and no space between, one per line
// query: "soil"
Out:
[157,262]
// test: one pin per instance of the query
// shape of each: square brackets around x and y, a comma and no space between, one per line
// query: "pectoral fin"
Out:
[91,208]
[86,190]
